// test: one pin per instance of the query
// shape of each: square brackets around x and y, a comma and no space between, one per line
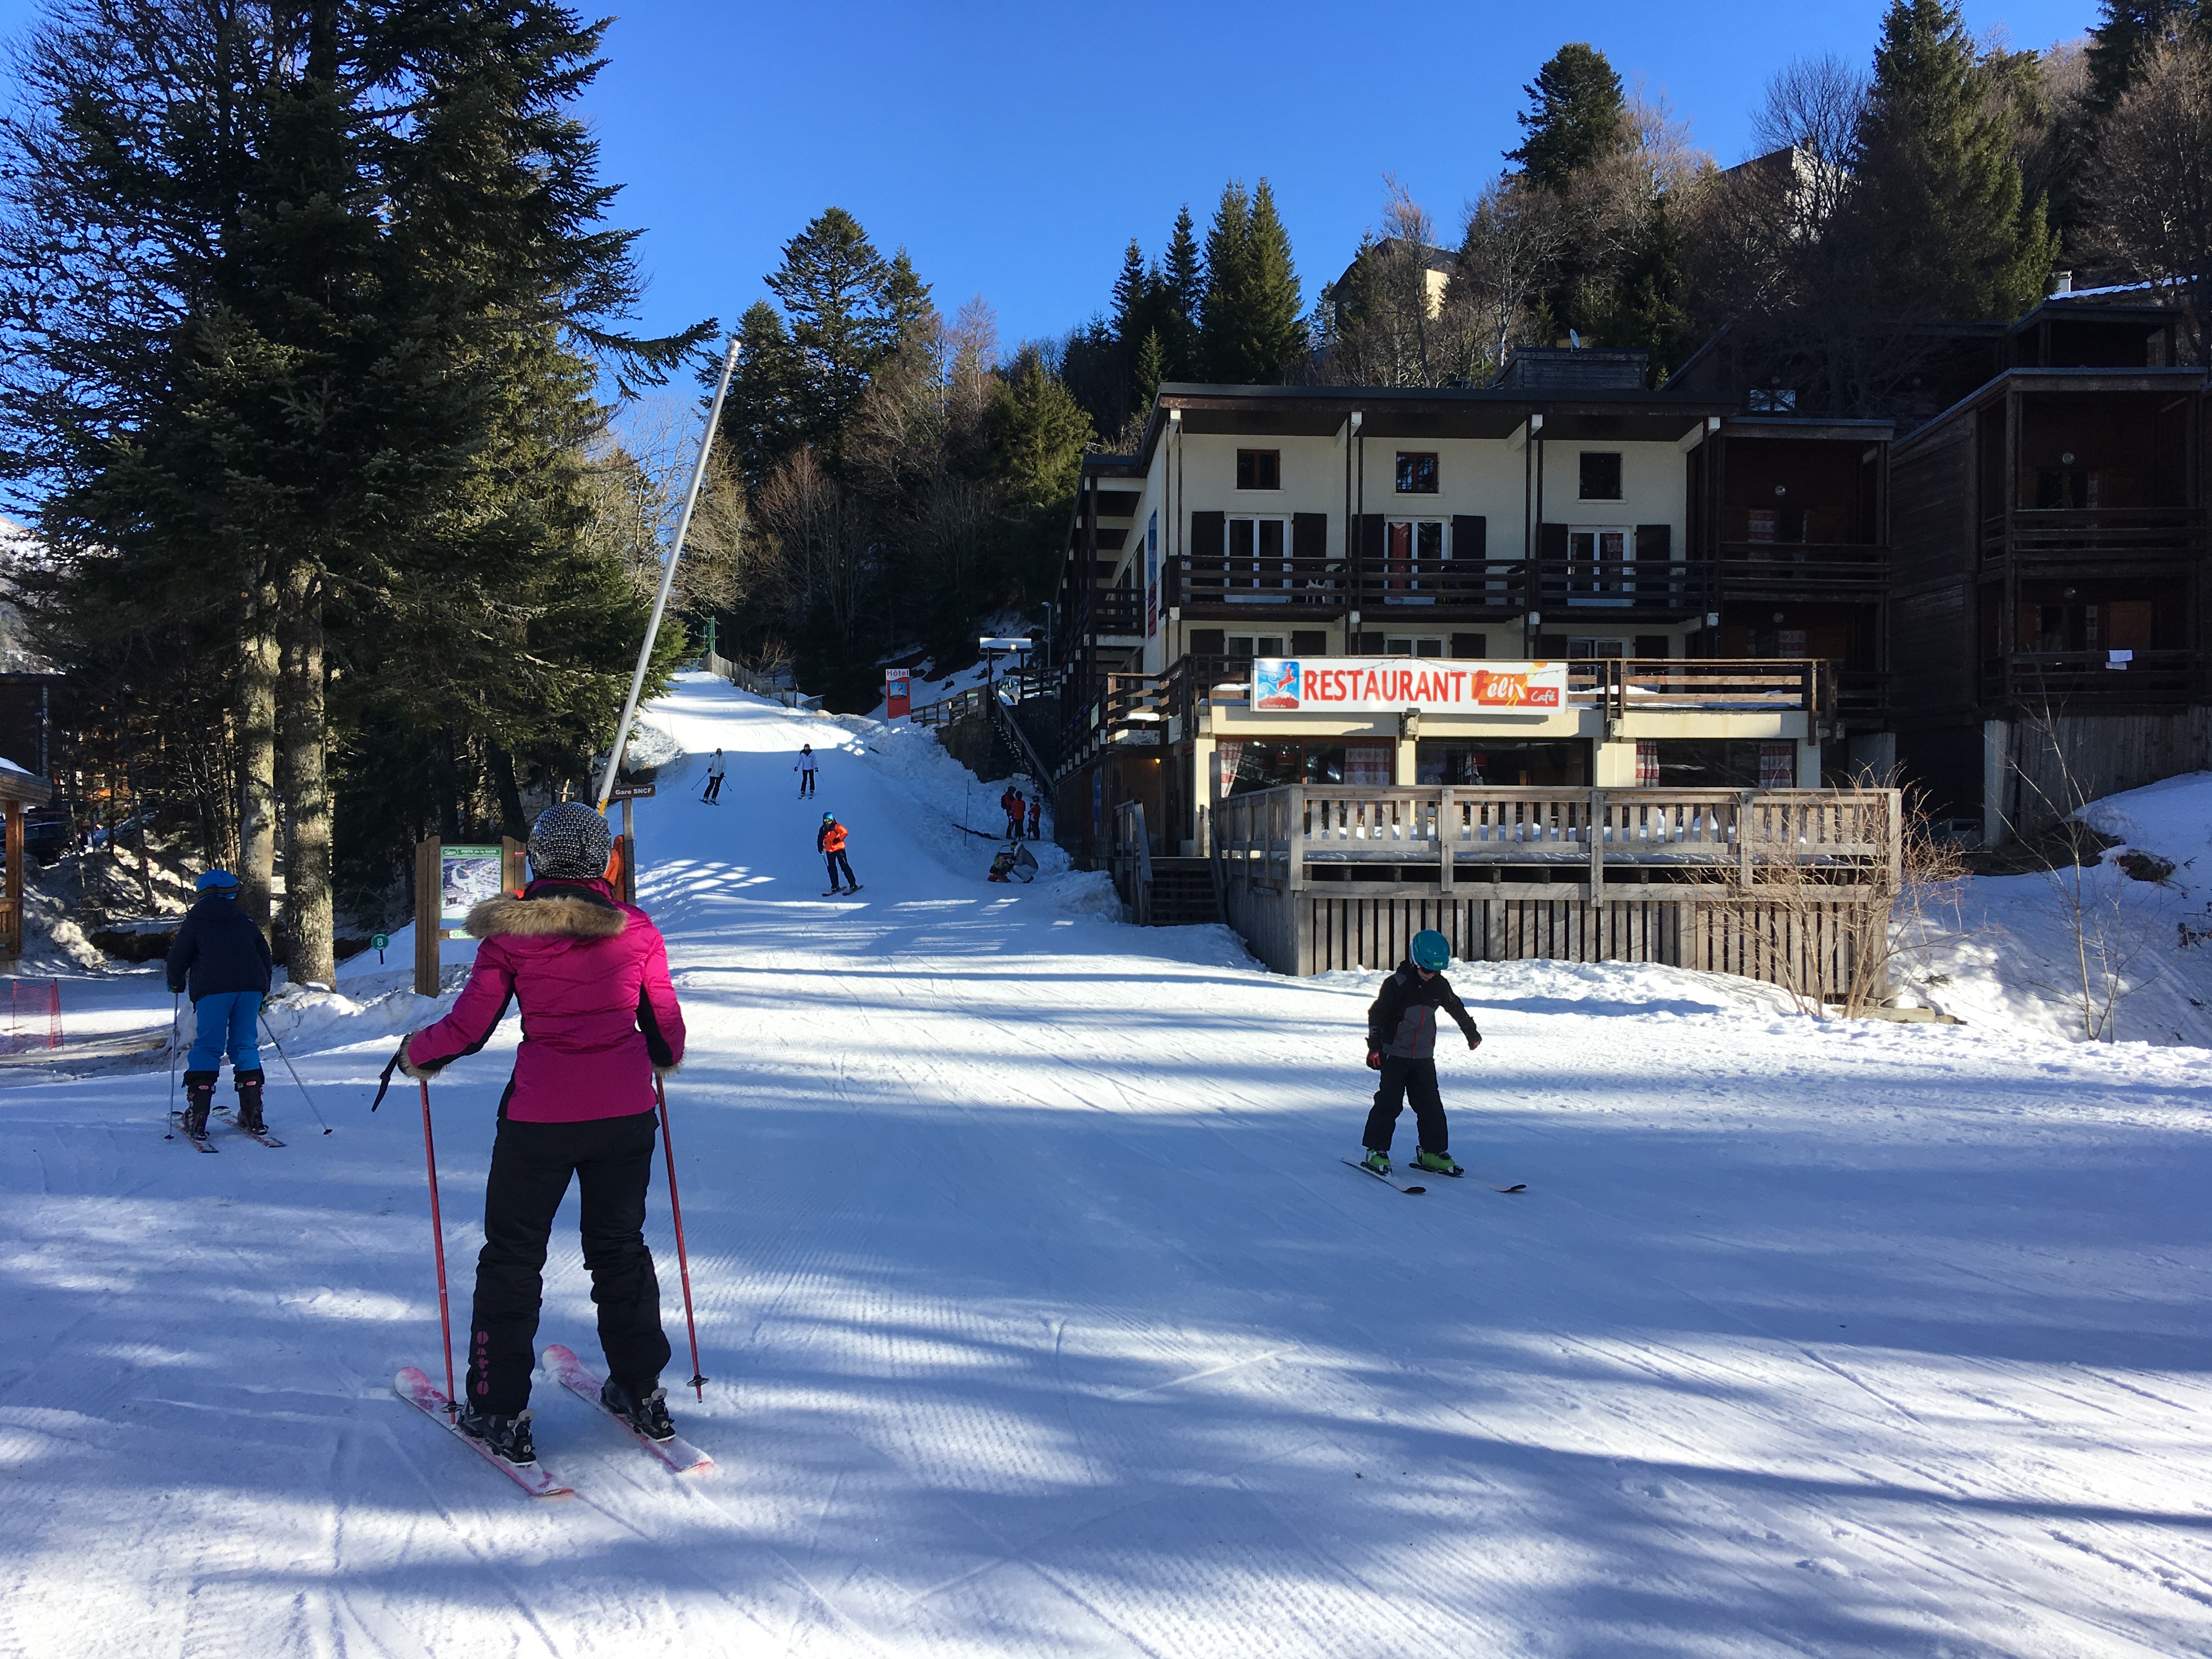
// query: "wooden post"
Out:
[514,864]
[13,941]
[1447,822]
[428,903]
[1594,827]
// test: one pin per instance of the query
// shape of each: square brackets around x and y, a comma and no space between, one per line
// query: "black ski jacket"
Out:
[1402,1022]
[217,949]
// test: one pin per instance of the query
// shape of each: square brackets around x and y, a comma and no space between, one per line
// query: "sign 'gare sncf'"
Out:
[1357,686]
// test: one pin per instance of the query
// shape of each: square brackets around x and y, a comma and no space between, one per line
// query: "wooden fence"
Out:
[1769,883]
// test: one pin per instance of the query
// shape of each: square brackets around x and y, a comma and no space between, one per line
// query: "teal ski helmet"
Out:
[1431,950]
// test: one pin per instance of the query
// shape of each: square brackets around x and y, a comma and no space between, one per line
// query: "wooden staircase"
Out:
[1182,893]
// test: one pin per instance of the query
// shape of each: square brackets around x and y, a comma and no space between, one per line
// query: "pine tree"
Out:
[1221,311]
[1149,370]
[1182,277]
[836,290]
[761,420]
[1274,309]
[2131,30]
[1574,118]
[1936,217]
[1133,295]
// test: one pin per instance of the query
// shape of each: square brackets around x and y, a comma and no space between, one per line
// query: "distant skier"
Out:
[1011,802]
[600,1021]
[829,842]
[713,795]
[1037,814]
[1402,1044]
[220,956]
[806,770]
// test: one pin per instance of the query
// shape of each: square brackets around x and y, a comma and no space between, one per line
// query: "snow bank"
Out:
[2046,952]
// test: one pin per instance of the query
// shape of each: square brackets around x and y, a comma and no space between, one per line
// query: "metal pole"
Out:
[438,1239]
[268,1032]
[176,1018]
[683,1261]
[668,576]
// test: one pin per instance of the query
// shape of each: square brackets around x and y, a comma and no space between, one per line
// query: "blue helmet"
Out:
[1431,950]
[216,881]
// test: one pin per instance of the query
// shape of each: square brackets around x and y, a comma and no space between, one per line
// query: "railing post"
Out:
[1595,830]
[1295,875]
[1447,825]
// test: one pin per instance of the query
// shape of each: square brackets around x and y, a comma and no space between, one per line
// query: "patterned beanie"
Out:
[571,842]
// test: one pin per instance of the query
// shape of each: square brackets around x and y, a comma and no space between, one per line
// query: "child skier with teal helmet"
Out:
[1402,1044]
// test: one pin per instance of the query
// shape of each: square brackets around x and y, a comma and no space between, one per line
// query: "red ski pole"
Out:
[438,1241]
[682,1261]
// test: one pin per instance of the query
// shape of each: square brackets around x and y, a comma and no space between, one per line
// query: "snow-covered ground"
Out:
[1043,1319]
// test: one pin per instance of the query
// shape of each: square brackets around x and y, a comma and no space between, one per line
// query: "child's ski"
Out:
[579,1379]
[414,1386]
[1380,1176]
[178,1126]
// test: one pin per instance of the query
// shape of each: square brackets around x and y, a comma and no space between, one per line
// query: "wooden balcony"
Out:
[1803,571]
[1112,613]
[2093,539]
[1650,587]
[2088,677]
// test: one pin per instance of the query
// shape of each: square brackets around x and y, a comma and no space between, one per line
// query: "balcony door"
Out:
[1412,560]
[1259,560]
[1600,564]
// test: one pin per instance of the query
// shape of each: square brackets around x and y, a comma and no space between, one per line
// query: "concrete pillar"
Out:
[1613,765]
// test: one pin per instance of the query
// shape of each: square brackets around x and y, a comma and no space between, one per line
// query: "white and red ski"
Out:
[580,1379]
[414,1386]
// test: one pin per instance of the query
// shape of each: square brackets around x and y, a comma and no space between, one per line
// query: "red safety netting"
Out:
[34,1014]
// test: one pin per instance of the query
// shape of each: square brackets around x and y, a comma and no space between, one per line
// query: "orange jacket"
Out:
[833,838]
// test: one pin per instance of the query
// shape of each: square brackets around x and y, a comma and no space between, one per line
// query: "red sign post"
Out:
[896,690]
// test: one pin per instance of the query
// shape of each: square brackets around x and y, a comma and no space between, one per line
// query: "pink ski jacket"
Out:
[598,1012]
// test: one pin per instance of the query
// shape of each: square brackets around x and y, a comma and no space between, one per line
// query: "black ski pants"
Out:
[612,1158]
[1404,1079]
[713,788]
[837,862]
[806,783]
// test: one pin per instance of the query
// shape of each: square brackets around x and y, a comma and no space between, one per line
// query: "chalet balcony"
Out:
[1224,587]
[1651,588]
[1803,570]
[1481,588]
[2094,539]
[2090,677]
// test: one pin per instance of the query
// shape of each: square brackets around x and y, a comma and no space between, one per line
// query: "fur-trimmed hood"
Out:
[563,911]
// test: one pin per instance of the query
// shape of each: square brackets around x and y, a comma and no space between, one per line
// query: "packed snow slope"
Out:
[1042,1318]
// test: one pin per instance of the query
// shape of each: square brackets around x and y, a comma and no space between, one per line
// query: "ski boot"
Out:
[508,1435]
[646,1412]
[199,1100]
[1377,1160]
[248,1085]
[1436,1162]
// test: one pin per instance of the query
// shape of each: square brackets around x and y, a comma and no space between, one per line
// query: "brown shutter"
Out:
[1653,540]
[1652,543]
[1209,535]
[1208,641]
[1552,541]
[1470,538]
[1653,645]
[1309,642]
[1310,535]
[1470,644]
[1371,537]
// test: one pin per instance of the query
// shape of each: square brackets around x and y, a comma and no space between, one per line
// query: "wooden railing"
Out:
[1624,585]
[1815,566]
[1702,843]
[2109,532]
[2088,676]
[1627,685]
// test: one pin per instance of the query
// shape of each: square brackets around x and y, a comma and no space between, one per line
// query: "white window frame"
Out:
[1596,576]
[1417,645]
[1247,584]
[1406,587]
[1258,643]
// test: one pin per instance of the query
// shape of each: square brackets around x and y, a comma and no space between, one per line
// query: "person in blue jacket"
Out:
[220,958]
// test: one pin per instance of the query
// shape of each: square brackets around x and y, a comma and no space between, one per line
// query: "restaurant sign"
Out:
[1355,685]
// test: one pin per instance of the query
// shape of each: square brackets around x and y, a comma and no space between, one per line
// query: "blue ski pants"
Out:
[225,1022]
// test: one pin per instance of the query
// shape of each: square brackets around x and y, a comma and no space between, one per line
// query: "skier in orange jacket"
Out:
[829,842]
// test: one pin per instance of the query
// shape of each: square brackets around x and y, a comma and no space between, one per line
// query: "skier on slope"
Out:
[220,956]
[714,770]
[601,1022]
[805,768]
[1402,1044]
[829,842]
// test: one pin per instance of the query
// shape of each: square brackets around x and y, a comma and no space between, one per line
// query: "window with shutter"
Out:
[1308,642]
[1470,644]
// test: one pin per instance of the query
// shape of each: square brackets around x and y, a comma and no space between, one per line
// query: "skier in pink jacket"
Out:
[599,1023]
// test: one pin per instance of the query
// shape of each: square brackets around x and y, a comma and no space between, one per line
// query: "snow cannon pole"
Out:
[682,1261]
[269,1032]
[667,579]
[438,1243]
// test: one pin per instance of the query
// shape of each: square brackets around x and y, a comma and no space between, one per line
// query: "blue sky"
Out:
[1014,149]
